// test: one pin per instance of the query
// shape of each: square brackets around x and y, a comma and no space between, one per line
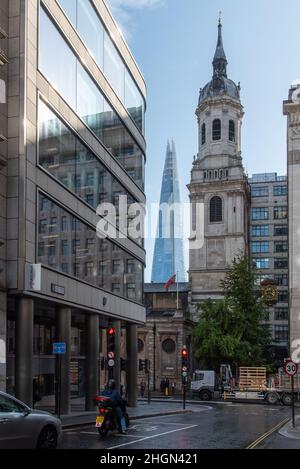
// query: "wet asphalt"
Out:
[230,426]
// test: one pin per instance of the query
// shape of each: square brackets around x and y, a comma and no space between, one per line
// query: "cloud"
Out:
[122,11]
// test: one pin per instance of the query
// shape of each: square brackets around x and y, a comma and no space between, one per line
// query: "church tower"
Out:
[218,182]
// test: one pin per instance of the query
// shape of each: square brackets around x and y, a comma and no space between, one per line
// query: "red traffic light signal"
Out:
[184,353]
[111,331]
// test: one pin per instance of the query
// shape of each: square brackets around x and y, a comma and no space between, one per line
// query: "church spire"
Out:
[220,61]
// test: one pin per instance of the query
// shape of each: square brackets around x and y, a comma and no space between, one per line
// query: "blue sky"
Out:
[174,41]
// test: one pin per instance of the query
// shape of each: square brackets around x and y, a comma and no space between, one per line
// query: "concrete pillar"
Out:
[131,343]
[24,350]
[117,367]
[92,360]
[63,320]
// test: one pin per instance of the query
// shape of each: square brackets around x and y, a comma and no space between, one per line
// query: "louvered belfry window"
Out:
[215,209]
[216,129]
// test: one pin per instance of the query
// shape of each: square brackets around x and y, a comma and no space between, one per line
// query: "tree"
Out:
[230,330]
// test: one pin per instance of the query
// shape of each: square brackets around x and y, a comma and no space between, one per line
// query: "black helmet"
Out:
[111,384]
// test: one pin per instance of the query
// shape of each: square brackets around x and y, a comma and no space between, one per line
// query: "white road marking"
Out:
[153,436]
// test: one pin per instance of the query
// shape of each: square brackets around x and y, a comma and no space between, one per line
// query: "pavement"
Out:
[289,431]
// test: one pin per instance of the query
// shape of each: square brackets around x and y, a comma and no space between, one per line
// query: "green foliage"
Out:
[230,330]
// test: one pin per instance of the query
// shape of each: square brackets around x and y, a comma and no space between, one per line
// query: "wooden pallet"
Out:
[252,378]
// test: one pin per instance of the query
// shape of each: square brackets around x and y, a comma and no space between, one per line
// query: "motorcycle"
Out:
[107,419]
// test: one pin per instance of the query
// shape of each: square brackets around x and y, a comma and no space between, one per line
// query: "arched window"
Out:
[215,209]
[221,174]
[205,175]
[203,134]
[210,174]
[231,131]
[216,129]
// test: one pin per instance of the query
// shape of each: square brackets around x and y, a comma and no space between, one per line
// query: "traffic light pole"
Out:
[149,395]
[184,391]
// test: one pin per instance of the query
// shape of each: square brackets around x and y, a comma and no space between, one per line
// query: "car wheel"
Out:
[205,395]
[272,398]
[47,438]
[286,399]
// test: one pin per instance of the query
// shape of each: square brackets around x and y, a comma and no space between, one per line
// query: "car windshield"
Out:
[9,405]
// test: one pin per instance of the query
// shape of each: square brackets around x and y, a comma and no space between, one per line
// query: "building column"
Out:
[24,351]
[131,379]
[92,360]
[63,321]
[117,367]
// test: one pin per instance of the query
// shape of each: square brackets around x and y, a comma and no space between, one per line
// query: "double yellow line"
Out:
[269,433]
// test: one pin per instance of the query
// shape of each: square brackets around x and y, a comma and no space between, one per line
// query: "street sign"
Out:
[184,374]
[111,354]
[184,368]
[59,348]
[111,362]
[290,368]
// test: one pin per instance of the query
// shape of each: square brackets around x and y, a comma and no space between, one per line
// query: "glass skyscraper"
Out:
[168,256]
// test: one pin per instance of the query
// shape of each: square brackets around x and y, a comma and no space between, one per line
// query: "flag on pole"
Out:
[170,282]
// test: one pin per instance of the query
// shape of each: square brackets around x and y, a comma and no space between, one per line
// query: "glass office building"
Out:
[74,139]
[168,258]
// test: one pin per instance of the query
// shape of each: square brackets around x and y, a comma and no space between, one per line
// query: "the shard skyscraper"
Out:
[168,258]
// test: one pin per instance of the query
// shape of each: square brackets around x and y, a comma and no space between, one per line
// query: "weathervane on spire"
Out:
[220,18]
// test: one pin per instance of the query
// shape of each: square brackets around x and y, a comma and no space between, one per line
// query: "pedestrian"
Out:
[162,386]
[173,388]
[142,388]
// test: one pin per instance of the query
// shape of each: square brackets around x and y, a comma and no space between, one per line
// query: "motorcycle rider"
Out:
[118,403]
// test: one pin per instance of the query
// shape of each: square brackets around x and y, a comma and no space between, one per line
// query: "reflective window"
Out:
[259,191]
[91,259]
[87,100]
[114,67]
[280,230]
[63,155]
[281,263]
[260,213]
[259,246]
[281,333]
[260,230]
[90,102]
[59,67]
[262,263]
[280,190]
[281,246]
[90,27]
[280,213]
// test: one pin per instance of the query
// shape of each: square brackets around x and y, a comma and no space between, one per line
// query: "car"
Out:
[23,427]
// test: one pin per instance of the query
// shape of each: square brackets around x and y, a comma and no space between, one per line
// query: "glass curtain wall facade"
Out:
[68,76]
[168,258]
[89,26]
[67,244]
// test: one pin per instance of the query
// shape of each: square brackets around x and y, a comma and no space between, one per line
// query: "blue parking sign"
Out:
[59,348]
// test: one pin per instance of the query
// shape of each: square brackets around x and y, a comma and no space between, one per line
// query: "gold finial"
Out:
[220,18]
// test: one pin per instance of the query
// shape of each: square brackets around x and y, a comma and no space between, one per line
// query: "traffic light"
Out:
[123,364]
[184,360]
[144,365]
[111,342]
